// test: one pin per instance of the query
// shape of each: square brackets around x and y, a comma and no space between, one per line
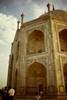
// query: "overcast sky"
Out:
[10,11]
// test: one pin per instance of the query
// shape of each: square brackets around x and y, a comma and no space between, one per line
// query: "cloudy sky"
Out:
[10,11]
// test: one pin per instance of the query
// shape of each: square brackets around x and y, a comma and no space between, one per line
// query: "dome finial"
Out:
[48,6]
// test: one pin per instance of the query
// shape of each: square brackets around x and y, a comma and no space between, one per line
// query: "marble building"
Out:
[38,59]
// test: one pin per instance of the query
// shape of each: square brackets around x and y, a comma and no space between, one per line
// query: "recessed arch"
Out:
[36,70]
[36,80]
[35,43]
[63,40]
[65,76]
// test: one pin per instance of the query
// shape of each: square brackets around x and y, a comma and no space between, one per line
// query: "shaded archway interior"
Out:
[63,40]
[35,42]
[65,76]
[36,78]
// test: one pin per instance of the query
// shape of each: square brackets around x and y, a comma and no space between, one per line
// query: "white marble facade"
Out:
[38,58]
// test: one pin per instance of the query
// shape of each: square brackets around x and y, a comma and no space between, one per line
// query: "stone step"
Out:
[47,97]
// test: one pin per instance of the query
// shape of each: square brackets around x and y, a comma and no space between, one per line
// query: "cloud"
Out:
[2,42]
[8,25]
[37,10]
[3,69]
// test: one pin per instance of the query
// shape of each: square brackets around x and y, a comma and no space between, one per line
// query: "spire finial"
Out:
[22,17]
[18,24]
[48,6]
[53,7]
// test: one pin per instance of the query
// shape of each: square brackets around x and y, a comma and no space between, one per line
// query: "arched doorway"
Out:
[36,78]
[65,76]
[63,40]
[35,43]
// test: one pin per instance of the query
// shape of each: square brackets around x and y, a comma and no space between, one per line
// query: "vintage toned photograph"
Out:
[33,49]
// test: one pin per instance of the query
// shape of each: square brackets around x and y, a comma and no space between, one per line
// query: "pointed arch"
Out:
[36,70]
[63,40]
[35,43]
[36,80]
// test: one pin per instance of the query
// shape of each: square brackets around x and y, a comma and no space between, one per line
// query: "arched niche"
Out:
[65,76]
[17,51]
[35,43]
[36,80]
[63,40]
